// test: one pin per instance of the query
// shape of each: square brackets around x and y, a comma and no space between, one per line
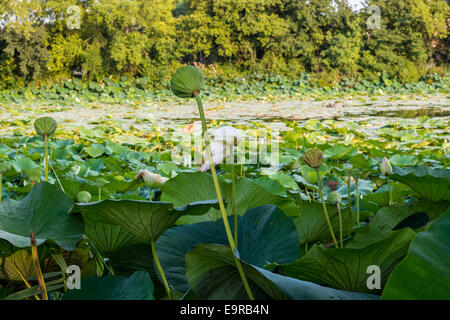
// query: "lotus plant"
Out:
[313,159]
[4,167]
[152,180]
[187,82]
[223,141]
[386,170]
[334,198]
[84,197]
[45,127]
[100,182]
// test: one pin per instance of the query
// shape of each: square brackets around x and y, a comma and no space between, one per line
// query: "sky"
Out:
[357,4]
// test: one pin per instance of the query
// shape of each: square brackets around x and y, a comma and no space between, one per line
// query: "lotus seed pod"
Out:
[186,81]
[45,126]
[84,197]
[386,168]
[334,198]
[4,167]
[313,158]
[151,179]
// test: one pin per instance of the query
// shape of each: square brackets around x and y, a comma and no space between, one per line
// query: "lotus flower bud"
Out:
[152,180]
[84,197]
[334,198]
[313,158]
[45,126]
[186,82]
[386,168]
[332,184]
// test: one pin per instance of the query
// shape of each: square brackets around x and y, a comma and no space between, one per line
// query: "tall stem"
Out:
[233,190]
[340,225]
[357,202]
[219,198]
[319,185]
[160,269]
[1,178]
[37,267]
[391,202]
[46,156]
[349,196]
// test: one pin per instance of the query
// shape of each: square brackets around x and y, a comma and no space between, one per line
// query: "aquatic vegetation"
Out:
[342,197]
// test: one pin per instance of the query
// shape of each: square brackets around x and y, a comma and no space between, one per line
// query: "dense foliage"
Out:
[45,41]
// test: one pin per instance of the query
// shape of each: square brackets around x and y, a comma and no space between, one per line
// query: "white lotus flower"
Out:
[222,144]
[386,168]
[151,179]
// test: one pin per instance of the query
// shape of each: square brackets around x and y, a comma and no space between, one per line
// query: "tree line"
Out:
[44,41]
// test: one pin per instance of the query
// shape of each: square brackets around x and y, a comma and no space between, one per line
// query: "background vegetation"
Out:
[226,38]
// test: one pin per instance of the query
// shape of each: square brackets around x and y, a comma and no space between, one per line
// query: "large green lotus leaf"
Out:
[425,272]
[146,220]
[312,225]
[345,269]
[108,238]
[211,271]
[135,257]
[137,287]
[391,217]
[186,81]
[265,235]
[17,264]
[45,126]
[429,183]
[339,152]
[44,211]
[249,194]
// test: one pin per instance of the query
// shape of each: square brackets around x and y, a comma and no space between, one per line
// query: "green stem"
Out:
[46,156]
[306,247]
[391,201]
[160,269]
[219,198]
[150,194]
[349,196]
[357,202]
[233,190]
[1,178]
[307,193]
[319,184]
[99,193]
[340,225]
